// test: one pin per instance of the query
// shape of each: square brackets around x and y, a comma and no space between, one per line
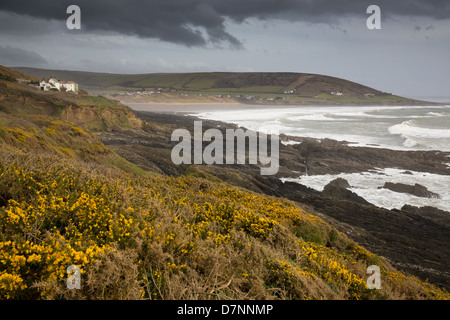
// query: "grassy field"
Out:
[308,88]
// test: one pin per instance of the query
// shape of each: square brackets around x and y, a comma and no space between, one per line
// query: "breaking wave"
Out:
[398,128]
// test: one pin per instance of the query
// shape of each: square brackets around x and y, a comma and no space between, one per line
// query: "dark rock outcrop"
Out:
[340,182]
[332,191]
[418,190]
[439,216]
[334,157]
[412,239]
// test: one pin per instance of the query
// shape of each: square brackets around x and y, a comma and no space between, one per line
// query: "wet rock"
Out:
[407,238]
[434,214]
[333,191]
[340,182]
[418,190]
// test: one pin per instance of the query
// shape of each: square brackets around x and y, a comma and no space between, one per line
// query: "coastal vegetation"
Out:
[279,88]
[67,199]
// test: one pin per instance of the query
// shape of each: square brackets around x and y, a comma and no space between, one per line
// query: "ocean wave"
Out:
[290,142]
[438,114]
[409,129]
[320,117]
[397,128]
[376,116]
[366,185]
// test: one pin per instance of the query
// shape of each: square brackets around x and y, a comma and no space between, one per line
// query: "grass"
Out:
[263,85]
[97,101]
[195,172]
[119,162]
[138,235]
[203,81]
[163,80]
[96,113]
[11,75]
[362,100]
[67,199]
[159,237]
[247,90]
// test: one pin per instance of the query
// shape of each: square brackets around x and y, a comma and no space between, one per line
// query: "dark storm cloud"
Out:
[323,10]
[198,22]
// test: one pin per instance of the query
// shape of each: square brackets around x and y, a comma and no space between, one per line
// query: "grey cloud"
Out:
[419,28]
[14,57]
[328,10]
[187,22]
[202,22]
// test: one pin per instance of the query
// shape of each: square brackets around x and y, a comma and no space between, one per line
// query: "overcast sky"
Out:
[408,56]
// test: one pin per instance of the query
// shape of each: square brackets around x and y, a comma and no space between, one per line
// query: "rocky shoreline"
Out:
[412,239]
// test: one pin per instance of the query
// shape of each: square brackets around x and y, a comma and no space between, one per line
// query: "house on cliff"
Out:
[59,85]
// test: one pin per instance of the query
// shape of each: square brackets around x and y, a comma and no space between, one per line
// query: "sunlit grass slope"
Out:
[157,237]
[66,199]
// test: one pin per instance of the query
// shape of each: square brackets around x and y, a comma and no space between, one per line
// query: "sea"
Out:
[391,127]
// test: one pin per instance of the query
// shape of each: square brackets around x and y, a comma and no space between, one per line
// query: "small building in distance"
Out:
[59,85]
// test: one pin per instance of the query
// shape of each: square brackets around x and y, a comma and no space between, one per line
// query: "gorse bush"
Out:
[139,235]
[67,200]
[159,237]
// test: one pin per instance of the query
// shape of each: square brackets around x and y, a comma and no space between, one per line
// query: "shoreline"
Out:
[331,158]
[200,112]
[181,107]
[410,228]
[395,157]
[185,107]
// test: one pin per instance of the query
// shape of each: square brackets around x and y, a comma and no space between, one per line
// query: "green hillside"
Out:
[67,199]
[11,75]
[256,87]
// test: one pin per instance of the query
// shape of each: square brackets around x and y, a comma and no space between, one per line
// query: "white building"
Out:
[54,83]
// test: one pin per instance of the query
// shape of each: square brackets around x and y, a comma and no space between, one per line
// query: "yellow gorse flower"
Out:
[60,218]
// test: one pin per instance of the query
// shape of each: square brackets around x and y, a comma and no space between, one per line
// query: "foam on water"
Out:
[290,142]
[366,184]
[410,129]
[398,128]
[436,114]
